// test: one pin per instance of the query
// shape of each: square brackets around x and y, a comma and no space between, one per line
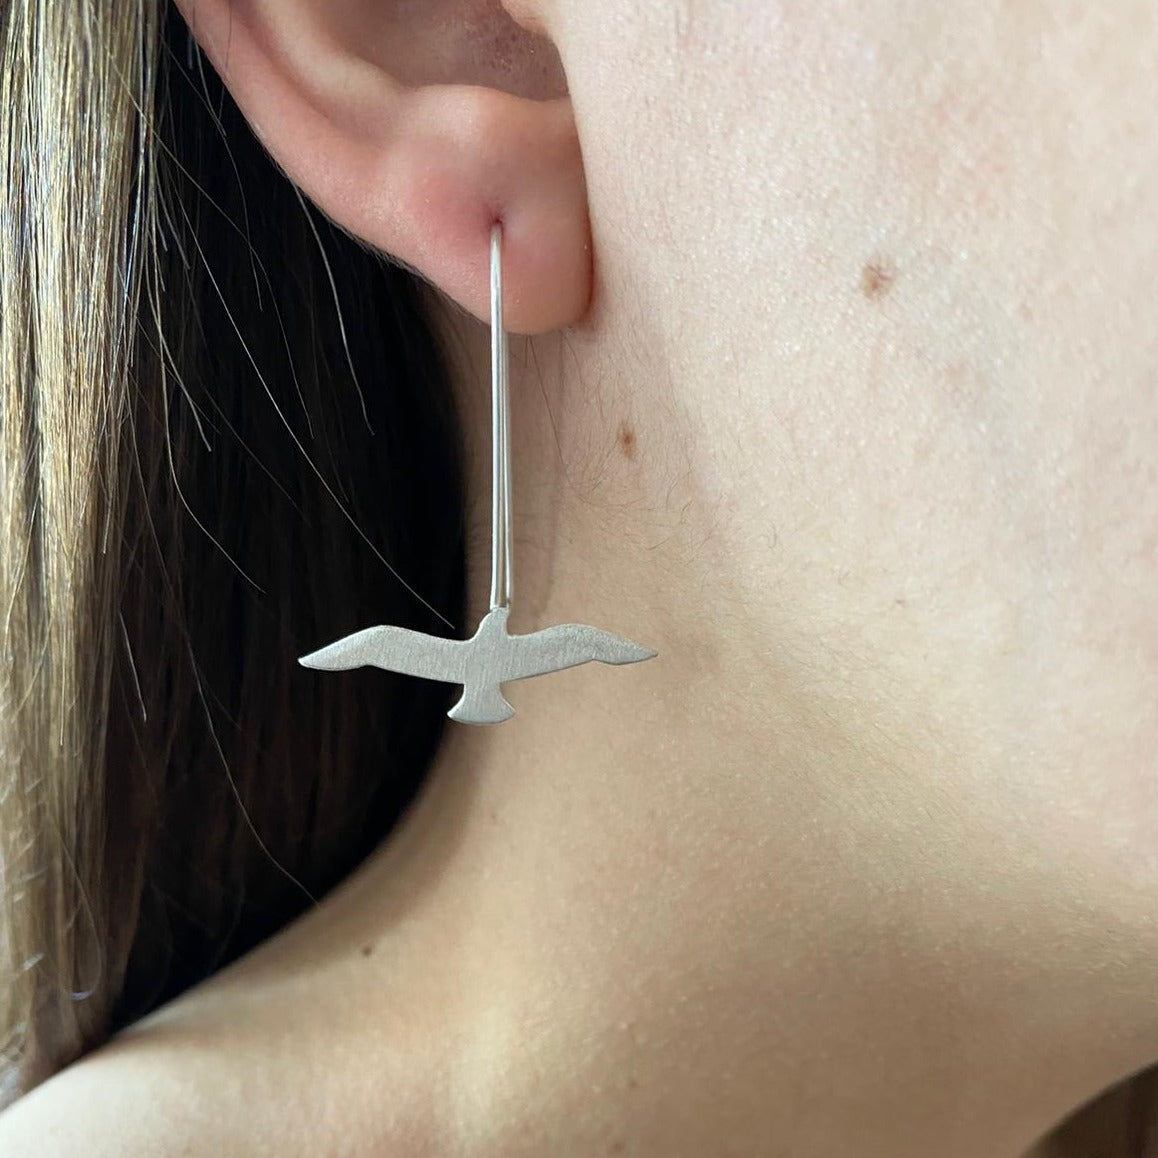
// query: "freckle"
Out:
[877,279]
[367,950]
[618,1146]
[627,441]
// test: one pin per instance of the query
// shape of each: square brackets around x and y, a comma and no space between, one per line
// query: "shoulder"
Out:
[97,1108]
[133,1103]
[281,1054]
[188,1095]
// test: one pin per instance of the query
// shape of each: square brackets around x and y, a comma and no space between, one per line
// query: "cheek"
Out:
[1024,157]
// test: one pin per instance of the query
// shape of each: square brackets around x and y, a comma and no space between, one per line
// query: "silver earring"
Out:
[483,663]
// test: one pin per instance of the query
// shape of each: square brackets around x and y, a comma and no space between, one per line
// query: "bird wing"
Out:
[566,645]
[396,649]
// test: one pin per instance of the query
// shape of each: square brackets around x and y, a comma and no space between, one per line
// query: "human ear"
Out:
[417,127]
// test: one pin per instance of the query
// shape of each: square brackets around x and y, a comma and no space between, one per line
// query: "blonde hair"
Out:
[204,411]
[68,84]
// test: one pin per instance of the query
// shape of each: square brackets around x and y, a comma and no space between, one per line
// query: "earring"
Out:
[491,657]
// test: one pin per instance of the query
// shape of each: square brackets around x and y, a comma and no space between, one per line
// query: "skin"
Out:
[841,395]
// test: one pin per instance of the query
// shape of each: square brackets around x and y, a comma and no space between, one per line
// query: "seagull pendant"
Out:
[491,657]
[480,664]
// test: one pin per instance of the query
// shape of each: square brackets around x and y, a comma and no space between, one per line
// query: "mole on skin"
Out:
[627,441]
[877,279]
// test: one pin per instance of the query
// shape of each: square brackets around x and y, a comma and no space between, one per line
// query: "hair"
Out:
[226,434]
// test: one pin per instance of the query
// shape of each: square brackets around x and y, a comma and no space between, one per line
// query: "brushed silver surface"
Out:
[481,664]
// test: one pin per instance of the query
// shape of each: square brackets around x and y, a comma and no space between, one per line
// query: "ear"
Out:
[417,126]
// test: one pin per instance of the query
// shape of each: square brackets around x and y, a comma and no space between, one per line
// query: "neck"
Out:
[724,846]
[837,856]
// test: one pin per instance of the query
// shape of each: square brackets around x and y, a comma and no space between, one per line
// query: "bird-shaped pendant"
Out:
[481,664]
[491,657]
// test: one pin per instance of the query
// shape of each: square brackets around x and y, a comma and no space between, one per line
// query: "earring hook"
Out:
[500,435]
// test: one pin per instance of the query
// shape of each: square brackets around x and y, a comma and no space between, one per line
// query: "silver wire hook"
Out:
[500,435]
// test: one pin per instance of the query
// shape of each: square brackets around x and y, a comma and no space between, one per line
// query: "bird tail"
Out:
[481,704]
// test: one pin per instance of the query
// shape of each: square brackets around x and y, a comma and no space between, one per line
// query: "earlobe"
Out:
[420,171]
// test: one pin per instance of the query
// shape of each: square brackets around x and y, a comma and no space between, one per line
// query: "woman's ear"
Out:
[417,126]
